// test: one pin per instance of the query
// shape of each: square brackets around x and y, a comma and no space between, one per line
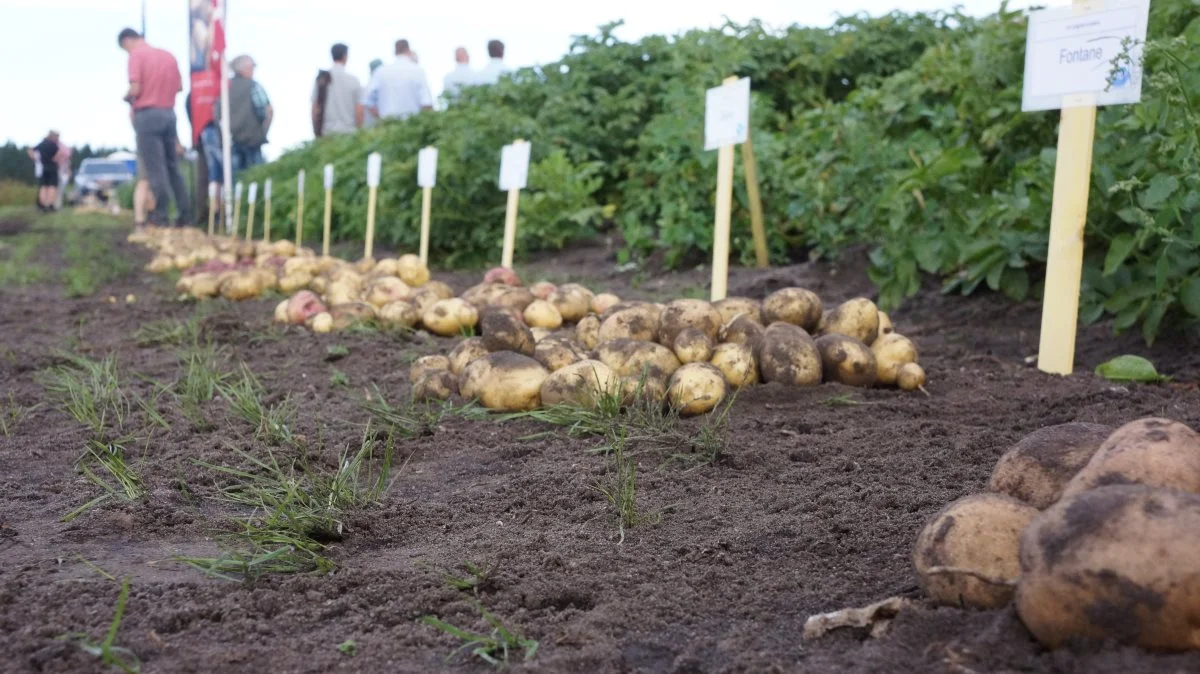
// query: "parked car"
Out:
[100,177]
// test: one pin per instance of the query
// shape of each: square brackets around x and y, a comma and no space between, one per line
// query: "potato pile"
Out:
[577,346]
[1094,533]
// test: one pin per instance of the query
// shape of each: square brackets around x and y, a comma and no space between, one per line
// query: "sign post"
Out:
[756,211]
[328,208]
[426,179]
[252,200]
[374,167]
[299,208]
[1068,65]
[726,123]
[237,208]
[514,175]
[267,211]
[212,209]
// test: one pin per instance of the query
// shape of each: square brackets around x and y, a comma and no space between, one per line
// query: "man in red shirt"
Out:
[153,83]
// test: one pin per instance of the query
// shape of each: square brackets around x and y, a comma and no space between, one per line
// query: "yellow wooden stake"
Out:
[267,220]
[426,203]
[237,214]
[510,223]
[250,222]
[369,248]
[212,214]
[328,217]
[299,220]
[1064,261]
[756,209]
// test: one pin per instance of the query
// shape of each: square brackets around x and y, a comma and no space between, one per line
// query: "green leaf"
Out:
[1154,319]
[1015,284]
[1120,248]
[1161,187]
[1129,368]
[1162,269]
[1189,296]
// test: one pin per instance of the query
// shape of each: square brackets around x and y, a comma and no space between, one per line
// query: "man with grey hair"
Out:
[461,76]
[250,115]
[400,88]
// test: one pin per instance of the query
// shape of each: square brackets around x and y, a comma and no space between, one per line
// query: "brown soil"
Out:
[813,507]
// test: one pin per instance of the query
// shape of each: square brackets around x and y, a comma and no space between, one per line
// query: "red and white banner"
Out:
[207,49]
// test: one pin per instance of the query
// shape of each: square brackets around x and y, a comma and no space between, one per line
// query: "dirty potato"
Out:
[572,300]
[635,322]
[1038,467]
[543,314]
[696,388]
[555,353]
[910,377]
[892,351]
[426,364]
[688,313]
[466,352]
[587,331]
[797,306]
[501,331]
[732,307]
[786,354]
[435,385]
[450,317]
[581,384]
[1155,452]
[741,330]
[846,361]
[857,318]
[692,346]
[350,313]
[504,381]
[400,315]
[736,362]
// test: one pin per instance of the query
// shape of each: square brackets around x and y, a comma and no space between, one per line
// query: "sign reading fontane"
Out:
[205,51]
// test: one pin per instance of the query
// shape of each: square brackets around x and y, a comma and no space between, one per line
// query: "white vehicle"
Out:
[100,177]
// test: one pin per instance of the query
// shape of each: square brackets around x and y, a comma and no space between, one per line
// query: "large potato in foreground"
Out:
[450,317]
[636,322]
[581,384]
[399,315]
[587,331]
[793,305]
[688,313]
[846,360]
[1154,452]
[736,362]
[742,330]
[502,332]
[1036,469]
[504,381]
[786,354]
[542,314]
[1117,563]
[968,553]
[857,318]
[465,353]
[572,300]
[696,388]
[692,346]
[632,358]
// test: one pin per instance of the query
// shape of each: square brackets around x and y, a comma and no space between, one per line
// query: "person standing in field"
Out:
[250,115]
[495,68]
[399,89]
[43,154]
[461,76]
[63,159]
[343,110]
[153,83]
[370,119]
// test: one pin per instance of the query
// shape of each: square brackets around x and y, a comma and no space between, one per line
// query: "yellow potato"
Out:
[688,313]
[449,317]
[1038,467]
[466,352]
[293,282]
[426,364]
[504,381]
[885,325]
[857,318]
[345,315]
[412,271]
[892,351]
[241,286]
[910,377]
[572,300]
[692,346]
[741,330]
[388,266]
[603,302]
[555,353]
[204,285]
[635,322]
[387,289]
[587,331]
[543,314]
[435,385]
[322,322]
[281,312]
[581,384]
[439,289]
[1155,452]
[796,306]
[732,307]
[630,358]
[737,363]
[399,315]
[502,332]
[696,388]
[787,354]
[846,361]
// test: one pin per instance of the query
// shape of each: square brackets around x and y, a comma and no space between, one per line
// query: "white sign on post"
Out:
[727,114]
[374,167]
[253,192]
[514,166]
[427,167]
[300,182]
[1069,53]
[237,191]
[267,189]
[329,176]
[212,191]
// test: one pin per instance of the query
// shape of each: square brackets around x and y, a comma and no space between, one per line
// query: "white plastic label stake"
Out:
[300,182]
[727,114]
[212,191]
[267,190]
[427,167]
[329,176]
[1069,53]
[253,192]
[237,191]
[374,166]
[514,166]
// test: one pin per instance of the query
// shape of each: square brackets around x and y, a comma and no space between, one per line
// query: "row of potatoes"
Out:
[688,351]
[1094,533]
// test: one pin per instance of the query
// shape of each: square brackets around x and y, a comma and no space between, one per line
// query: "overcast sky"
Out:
[63,69]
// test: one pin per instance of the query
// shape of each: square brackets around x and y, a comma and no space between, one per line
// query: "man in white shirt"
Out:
[460,77]
[343,110]
[400,88]
[490,74]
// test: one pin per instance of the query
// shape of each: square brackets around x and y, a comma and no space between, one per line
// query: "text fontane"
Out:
[1080,55]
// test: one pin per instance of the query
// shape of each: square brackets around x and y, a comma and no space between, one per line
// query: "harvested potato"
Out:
[692,346]
[388,266]
[517,299]
[630,358]
[449,317]
[644,388]
[426,364]
[732,307]
[204,285]
[572,300]
[319,284]
[581,384]
[484,294]
[555,353]
[696,388]
[281,312]
[466,352]
[435,385]
[885,325]
[846,361]
[501,331]
[635,322]
[241,286]
[293,282]
[502,275]
[629,304]
[299,265]
[410,270]
[587,331]
[542,289]
[423,299]
[910,377]
[892,351]
[737,363]
[303,306]
[857,318]
[399,315]
[604,301]
[688,313]
[797,306]
[364,265]
[345,315]
[322,322]
[504,381]
[283,248]
[741,330]
[439,290]
[968,553]
[386,290]
[341,292]
[1155,452]
[543,314]
[540,333]
[1115,563]
[1038,467]
[787,354]
[160,264]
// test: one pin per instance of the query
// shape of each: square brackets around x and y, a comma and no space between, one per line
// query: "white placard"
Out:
[212,191]
[237,191]
[1069,53]
[374,167]
[267,189]
[300,182]
[253,192]
[329,176]
[427,167]
[514,166]
[727,114]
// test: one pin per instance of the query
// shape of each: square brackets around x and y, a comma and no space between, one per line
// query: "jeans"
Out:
[156,142]
[243,157]
[210,143]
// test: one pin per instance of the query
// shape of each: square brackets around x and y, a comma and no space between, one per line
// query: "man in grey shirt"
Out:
[343,98]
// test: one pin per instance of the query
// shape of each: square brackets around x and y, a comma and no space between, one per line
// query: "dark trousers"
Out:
[156,142]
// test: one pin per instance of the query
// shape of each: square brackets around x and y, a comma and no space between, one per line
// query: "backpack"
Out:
[323,79]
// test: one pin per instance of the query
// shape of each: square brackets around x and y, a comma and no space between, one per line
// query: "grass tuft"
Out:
[90,391]
[110,654]
[417,419]
[245,397]
[13,413]
[113,475]
[495,647]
